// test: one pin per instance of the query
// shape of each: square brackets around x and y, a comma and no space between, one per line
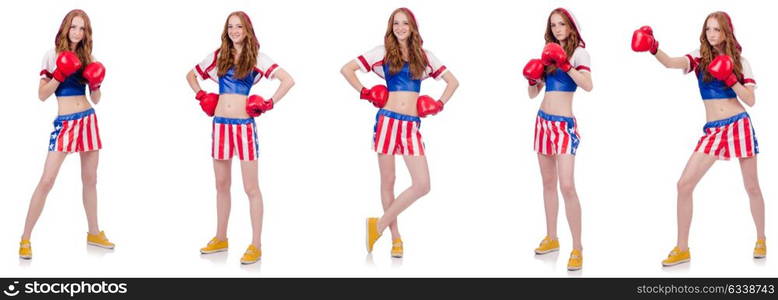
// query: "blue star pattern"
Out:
[54,134]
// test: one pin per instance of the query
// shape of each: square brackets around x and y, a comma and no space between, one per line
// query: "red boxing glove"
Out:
[643,40]
[208,102]
[554,54]
[426,106]
[67,64]
[378,95]
[722,68]
[256,105]
[94,74]
[533,71]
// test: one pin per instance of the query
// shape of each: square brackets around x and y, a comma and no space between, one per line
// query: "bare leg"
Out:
[696,167]
[89,162]
[566,167]
[751,181]
[222,169]
[50,169]
[249,171]
[386,167]
[548,171]
[420,186]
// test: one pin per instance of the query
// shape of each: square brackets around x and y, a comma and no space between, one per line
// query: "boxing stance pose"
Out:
[403,63]
[236,66]
[723,76]
[562,67]
[67,70]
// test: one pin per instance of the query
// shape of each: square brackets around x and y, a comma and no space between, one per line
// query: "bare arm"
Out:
[534,90]
[680,62]
[582,79]
[745,93]
[451,85]
[349,71]
[286,83]
[192,80]
[46,88]
[95,96]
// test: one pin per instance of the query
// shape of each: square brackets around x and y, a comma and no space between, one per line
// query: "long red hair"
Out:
[248,56]
[416,56]
[731,46]
[62,41]
[573,39]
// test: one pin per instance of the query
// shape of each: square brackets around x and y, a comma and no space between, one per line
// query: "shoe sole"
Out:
[248,262]
[367,236]
[212,251]
[760,256]
[101,246]
[676,263]
[25,257]
[573,269]
[546,252]
[397,256]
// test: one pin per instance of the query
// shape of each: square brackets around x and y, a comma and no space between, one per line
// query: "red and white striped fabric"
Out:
[728,138]
[555,135]
[77,132]
[397,134]
[234,136]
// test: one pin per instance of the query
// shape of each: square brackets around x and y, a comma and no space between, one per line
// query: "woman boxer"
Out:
[562,67]
[403,63]
[724,77]
[237,65]
[67,70]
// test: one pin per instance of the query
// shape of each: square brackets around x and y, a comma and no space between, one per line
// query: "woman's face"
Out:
[401,27]
[76,31]
[713,32]
[559,27]
[235,30]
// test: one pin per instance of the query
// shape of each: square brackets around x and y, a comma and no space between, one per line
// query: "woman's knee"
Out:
[685,186]
[387,181]
[252,191]
[222,184]
[422,186]
[753,189]
[46,183]
[89,179]
[568,190]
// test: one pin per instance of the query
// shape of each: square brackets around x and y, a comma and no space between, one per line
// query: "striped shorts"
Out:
[728,138]
[556,135]
[234,136]
[397,134]
[76,132]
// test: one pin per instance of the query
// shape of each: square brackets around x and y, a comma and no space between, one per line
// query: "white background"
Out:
[318,175]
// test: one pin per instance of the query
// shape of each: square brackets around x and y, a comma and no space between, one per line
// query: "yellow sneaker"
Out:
[547,245]
[677,257]
[215,245]
[25,250]
[576,260]
[372,233]
[251,255]
[99,240]
[760,250]
[397,248]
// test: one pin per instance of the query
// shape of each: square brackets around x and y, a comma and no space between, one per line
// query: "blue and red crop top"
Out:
[373,60]
[716,89]
[74,85]
[559,81]
[229,84]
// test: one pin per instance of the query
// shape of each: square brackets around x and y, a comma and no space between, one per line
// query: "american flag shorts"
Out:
[234,136]
[556,135]
[397,134]
[76,132]
[728,138]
